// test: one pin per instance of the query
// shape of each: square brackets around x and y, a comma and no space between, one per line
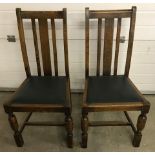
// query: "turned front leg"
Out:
[14,125]
[69,129]
[84,128]
[140,126]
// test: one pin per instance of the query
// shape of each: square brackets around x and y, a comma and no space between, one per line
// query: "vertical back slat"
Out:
[108,42]
[36,46]
[99,45]
[22,42]
[54,47]
[130,43]
[117,45]
[87,42]
[45,50]
[65,42]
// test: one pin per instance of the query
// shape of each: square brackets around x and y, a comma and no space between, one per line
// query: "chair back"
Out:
[42,18]
[109,16]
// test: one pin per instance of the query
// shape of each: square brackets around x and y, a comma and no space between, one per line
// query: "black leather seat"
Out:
[106,89]
[42,90]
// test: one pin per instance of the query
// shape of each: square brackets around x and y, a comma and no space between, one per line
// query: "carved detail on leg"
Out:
[69,129]
[140,126]
[14,125]
[84,128]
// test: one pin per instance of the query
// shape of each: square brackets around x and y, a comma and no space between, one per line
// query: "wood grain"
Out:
[108,43]
[99,45]
[45,49]
[117,45]
[22,42]
[36,46]
[54,47]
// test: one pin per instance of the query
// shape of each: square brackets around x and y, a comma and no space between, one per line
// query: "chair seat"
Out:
[110,89]
[42,90]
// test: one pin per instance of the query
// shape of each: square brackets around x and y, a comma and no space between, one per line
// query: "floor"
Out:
[100,138]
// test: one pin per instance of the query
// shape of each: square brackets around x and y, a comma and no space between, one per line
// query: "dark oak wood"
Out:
[22,107]
[117,45]
[25,121]
[69,129]
[54,47]
[22,40]
[108,42]
[84,128]
[45,49]
[99,45]
[110,13]
[36,46]
[42,14]
[12,106]
[108,38]
[87,41]
[140,126]
[116,106]
[85,93]
[45,123]
[68,94]
[14,125]
[65,41]
[95,106]
[42,17]
[108,123]
[130,121]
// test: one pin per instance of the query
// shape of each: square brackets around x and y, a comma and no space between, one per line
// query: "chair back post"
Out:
[65,41]
[86,42]
[22,42]
[131,38]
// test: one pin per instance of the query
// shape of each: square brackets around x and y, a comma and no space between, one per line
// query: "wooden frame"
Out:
[10,108]
[143,106]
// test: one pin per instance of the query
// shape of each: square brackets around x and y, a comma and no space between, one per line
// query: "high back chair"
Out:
[43,93]
[107,92]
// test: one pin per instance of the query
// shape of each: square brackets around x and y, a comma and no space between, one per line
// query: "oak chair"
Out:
[107,91]
[46,92]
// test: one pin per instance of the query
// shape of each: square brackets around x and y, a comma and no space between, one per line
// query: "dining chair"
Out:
[108,91]
[47,91]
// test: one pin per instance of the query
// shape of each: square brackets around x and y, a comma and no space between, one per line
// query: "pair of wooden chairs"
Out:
[51,93]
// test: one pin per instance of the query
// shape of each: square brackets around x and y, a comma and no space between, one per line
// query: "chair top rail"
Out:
[110,14]
[41,14]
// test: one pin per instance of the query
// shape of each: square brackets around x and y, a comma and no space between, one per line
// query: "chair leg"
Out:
[140,126]
[69,129]
[84,128]
[14,125]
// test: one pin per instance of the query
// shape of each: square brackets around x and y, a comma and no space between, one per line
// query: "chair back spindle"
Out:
[117,45]
[99,46]
[36,46]
[45,49]
[54,46]
[108,42]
